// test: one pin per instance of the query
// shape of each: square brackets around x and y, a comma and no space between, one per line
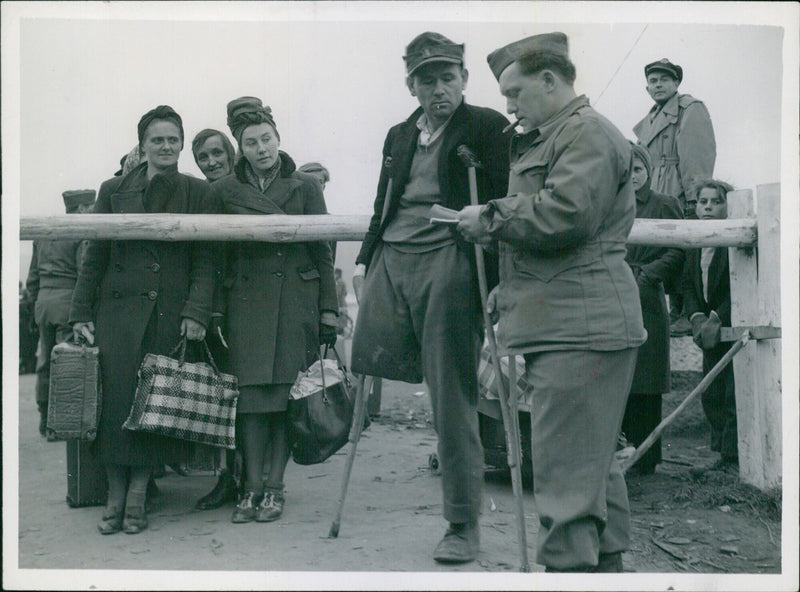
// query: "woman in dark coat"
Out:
[652,267]
[137,297]
[215,155]
[281,302]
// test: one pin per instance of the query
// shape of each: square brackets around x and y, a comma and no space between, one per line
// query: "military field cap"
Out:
[161,112]
[432,47]
[664,65]
[502,58]
[78,197]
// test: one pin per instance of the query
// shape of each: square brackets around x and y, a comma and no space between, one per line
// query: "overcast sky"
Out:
[78,76]
[336,84]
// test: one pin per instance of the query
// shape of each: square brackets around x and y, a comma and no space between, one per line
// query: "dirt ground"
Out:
[682,523]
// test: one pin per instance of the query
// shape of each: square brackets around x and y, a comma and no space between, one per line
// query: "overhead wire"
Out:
[622,63]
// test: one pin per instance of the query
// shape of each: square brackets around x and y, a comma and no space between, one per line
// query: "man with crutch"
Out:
[420,312]
[567,301]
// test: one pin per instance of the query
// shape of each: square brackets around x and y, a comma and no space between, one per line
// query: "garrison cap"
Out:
[664,65]
[78,197]
[502,58]
[432,47]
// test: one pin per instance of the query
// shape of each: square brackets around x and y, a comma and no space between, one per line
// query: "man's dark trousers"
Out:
[419,316]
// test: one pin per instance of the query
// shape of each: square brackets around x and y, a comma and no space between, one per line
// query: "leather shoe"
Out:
[224,491]
[135,520]
[179,468]
[609,563]
[460,543]
[111,521]
[246,508]
[271,507]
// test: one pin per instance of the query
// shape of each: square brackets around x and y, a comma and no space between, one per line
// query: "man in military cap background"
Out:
[679,137]
[567,300]
[51,280]
[420,311]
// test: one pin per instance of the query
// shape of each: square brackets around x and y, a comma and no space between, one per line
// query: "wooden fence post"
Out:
[768,351]
[744,305]
[755,290]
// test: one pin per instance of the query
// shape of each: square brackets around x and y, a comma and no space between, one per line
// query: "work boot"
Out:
[460,543]
[609,563]
[606,563]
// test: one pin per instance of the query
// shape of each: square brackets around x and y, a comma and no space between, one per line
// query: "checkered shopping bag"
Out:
[186,400]
[487,378]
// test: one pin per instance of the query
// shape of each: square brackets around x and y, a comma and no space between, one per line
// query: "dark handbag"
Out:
[75,401]
[320,411]
[185,400]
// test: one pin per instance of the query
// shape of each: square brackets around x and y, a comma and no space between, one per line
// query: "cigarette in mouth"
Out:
[510,126]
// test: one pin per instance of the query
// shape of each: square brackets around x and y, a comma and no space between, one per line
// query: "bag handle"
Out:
[342,368]
[182,346]
[322,373]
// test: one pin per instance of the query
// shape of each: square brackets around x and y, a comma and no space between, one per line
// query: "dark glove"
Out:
[642,280]
[697,325]
[327,335]
[710,331]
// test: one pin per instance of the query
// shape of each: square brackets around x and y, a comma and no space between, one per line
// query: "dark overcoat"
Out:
[653,266]
[478,128]
[274,292]
[137,292]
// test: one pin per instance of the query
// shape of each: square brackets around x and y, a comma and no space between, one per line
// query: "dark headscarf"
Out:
[162,112]
[642,154]
[246,111]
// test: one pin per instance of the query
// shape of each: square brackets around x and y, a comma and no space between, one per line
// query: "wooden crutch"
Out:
[508,410]
[363,388]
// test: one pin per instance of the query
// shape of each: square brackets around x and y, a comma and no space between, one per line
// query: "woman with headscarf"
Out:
[135,297]
[281,302]
[652,267]
[215,155]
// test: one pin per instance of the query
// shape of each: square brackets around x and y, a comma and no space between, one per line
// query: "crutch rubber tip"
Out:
[334,531]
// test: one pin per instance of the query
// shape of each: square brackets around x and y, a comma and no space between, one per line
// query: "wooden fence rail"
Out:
[281,229]
[754,273]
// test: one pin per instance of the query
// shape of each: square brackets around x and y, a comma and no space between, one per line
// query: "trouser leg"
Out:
[449,333]
[719,405]
[47,339]
[580,495]
[642,415]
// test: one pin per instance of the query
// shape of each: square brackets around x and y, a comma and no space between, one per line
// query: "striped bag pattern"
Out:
[487,378]
[185,400]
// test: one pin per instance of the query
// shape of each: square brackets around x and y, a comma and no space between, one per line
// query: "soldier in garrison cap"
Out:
[420,311]
[51,279]
[678,134]
[567,300]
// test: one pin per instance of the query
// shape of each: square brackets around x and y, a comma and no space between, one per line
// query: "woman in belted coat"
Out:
[652,267]
[135,297]
[281,302]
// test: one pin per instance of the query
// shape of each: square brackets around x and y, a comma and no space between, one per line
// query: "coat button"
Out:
[155,267]
[279,254]
[116,294]
[152,295]
[278,274]
[117,267]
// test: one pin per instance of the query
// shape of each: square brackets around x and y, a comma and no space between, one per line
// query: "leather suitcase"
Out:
[75,400]
[86,478]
